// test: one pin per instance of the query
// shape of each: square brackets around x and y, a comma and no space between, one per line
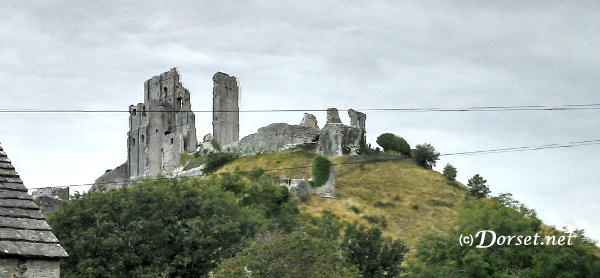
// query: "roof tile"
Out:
[23,230]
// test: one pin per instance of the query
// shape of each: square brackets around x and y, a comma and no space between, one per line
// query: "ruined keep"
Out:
[226,109]
[161,128]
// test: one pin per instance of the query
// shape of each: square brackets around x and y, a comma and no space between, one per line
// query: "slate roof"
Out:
[23,231]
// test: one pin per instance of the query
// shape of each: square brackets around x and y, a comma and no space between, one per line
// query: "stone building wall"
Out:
[12,267]
[335,136]
[226,116]
[161,128]
[277,137]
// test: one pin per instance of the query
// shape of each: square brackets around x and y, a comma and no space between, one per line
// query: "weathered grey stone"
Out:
[357,119]
[207,138]
[328,189]
[15,267]
[274,137]
[298,188]
[333,116]
[161,128]
[117,175]
[226,116]
[310,120]
[334,137]
[50,199]
[61,193]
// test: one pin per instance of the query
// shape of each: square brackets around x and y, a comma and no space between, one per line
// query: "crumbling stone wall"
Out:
[226,116]
[50,199]
[13,267]
[276,137]
[335,136]
[161,128]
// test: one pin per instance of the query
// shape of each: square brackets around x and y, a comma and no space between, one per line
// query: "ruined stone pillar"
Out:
[226,111]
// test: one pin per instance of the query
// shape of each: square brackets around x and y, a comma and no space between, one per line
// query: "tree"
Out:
[450,172]
[441,254]
[293,255]
[162,228]
[478,187]
[391,142]
[426,155]
[374,255]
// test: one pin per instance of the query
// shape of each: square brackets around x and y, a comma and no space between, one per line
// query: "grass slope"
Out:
[402,198]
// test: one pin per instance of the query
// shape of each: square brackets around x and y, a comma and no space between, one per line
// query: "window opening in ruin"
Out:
[142,138]
[132,141]
[133,111]
[167,132]
[157,130]
[180,101]
[171,141]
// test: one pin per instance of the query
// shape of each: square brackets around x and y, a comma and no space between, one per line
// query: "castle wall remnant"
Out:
[161,128]
[277,137]
[335,136]
[50,199]
[226,117]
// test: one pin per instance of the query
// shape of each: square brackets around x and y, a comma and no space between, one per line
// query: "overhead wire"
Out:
[567,107]
[490,151]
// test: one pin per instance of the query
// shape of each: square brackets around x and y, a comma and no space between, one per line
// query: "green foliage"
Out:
[345,150]
[293,255]
[162,228]
[355,210]
[391,142]
[478,187]
[450,172]
[214,161]
[425,155]
[170,227]
[440,254]
[375,256]
[215,145]
[321,170]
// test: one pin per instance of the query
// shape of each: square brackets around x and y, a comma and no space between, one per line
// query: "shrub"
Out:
[426,155]
[478,187]
[450,172]
[294,255]
[321,170]
[214,161]
[374,255]
[391,142]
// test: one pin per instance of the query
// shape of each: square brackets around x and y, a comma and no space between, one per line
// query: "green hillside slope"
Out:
[401,197]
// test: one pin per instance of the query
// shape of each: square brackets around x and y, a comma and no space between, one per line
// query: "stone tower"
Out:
[161,128]
[226,116]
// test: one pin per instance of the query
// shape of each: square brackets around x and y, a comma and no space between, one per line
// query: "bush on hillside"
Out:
[321,170]
[391,142]
[450,172]
[426,155]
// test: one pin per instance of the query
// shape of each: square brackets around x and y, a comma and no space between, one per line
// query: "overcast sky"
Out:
[316,55]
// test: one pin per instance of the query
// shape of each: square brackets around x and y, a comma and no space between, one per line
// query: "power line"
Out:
[567,107]
[502,150]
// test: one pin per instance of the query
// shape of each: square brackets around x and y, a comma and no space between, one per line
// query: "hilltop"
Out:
[403,199]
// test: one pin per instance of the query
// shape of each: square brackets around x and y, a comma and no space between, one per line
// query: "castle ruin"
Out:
[163,127]
[226,109]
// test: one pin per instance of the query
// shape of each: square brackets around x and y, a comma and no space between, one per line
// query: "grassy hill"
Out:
[399,196]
